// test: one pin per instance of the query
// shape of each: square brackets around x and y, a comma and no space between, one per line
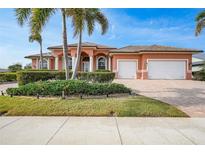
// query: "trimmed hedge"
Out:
[7,77]
[70,87]
[25,77]
[100,70]
[100,77]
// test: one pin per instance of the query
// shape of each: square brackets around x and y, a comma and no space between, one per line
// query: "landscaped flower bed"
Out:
[68,87]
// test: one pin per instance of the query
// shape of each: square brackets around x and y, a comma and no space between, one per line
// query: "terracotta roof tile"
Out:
[48,54]
[84,44]
[153,48]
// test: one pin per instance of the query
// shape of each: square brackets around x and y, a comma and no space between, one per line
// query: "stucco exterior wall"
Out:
[142,72]
[142,59]
[52,63]
[33,64]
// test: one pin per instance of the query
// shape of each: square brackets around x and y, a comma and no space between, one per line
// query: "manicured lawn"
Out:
[138,106]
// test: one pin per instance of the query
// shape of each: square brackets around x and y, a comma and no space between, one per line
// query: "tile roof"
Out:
[48,54]
[84,44]
[198,63]
[2,70]
[153,48]
[200,56]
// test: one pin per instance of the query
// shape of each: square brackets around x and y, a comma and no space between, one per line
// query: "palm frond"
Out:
[103,21]
[22,15]
[78,17]
[39,19]
[199,26]
[35,37]
[200,16]
[90,20]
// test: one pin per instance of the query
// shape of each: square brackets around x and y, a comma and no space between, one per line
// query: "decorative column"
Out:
[48,64]
[91,64]
[37,63]
[56,63]
[73,62]
[109,63]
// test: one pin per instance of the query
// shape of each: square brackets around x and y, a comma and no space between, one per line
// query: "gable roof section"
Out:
[84,44]
[48,54]
[152,48]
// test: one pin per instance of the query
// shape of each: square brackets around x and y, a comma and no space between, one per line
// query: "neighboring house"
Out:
[3,70]
[130,62]
[198,60]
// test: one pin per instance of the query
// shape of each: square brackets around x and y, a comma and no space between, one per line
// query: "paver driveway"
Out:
[189,96]
[3,87]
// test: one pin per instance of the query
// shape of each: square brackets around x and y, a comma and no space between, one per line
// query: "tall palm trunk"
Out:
[65,48]
[77,62]
[41,55]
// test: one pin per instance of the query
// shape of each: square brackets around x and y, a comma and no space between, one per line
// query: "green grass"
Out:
[133,106]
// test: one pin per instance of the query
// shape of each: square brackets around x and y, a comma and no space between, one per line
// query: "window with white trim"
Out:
[101,63]
[45,64]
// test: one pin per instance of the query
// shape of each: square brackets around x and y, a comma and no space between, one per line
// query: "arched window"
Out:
[101,63]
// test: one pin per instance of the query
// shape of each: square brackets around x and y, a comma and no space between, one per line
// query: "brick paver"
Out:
[187,95]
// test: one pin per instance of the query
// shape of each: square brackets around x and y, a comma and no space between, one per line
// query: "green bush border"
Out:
[25,77]
[69,87]
[7,77]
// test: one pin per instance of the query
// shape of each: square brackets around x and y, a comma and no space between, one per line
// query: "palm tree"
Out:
[200,19]
[38,18]
[85,18]
[37,37]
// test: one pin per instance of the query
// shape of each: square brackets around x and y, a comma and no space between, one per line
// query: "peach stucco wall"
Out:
[33,63]
[95,53]
[52,63]
[142,72]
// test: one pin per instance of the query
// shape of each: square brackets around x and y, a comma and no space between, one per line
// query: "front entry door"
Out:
[86,66]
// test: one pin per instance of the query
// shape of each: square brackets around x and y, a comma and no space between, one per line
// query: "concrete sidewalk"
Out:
[101,130]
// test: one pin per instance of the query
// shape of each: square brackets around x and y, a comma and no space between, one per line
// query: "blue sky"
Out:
[173,27]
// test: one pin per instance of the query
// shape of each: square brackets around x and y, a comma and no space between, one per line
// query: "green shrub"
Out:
[101,70]
[70,87]
[15,67]
[100,77]
[25,77]
[7,77]
[200,76]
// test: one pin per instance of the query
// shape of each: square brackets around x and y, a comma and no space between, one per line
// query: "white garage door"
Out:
[127,69]
[166,69]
